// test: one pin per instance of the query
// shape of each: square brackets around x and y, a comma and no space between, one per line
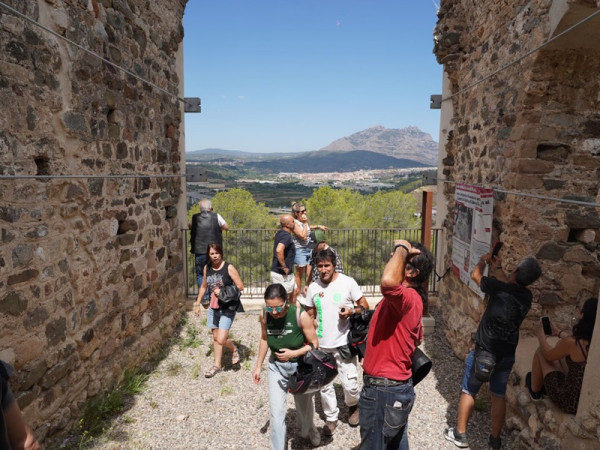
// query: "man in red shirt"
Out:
[387,396]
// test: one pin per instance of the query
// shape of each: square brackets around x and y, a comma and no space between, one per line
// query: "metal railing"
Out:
[363,252]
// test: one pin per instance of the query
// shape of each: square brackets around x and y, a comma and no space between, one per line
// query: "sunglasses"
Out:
[302,212]
[276,309]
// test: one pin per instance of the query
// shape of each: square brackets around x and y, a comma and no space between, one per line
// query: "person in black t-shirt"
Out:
[284,253]
[495,341]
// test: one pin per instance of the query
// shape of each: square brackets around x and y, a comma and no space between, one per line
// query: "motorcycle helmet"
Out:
[357,335]
[315,369]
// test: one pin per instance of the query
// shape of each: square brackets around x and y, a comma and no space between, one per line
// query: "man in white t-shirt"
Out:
[331,300]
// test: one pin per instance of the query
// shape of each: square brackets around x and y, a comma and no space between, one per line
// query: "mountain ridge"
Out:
[327,161]
[400,147]
[410,143]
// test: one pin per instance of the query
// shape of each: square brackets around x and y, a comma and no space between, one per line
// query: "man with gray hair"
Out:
[206,228]
[495,341]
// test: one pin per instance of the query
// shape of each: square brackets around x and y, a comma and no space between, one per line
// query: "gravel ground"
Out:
[180,408]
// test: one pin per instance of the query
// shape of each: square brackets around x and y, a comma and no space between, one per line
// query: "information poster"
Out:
[472,230]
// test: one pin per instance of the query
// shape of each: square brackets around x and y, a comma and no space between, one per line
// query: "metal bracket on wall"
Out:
[430,178]
[436,102]
[191,105]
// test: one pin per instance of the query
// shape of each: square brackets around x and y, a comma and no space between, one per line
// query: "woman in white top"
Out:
[301,240]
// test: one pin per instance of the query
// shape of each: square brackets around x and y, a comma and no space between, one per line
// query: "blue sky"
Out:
[294,75]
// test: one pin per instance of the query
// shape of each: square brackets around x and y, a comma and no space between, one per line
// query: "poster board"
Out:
[472,238]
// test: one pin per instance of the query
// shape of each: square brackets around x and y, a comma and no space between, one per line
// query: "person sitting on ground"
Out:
[558,371]
[289,333]
[14,431]
[217,274]
[321,244]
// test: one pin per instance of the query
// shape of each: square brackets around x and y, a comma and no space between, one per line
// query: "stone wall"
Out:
[533,128]
[91,268]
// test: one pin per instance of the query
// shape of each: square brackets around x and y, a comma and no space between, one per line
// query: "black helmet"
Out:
[421,365]
[315,369]
[357,335]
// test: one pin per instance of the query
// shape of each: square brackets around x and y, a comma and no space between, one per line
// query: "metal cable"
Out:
[128,72]
[523,194]
[519,59]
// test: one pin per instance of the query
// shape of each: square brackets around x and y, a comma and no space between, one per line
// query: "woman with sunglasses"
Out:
[558,371]
[217,274]
[300,235]
[290,333]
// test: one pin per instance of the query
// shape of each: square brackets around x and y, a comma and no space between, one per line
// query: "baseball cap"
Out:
[319,236]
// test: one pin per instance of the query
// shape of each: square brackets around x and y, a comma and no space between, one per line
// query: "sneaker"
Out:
[459,439]
[315,437]
[534,395]
[495,443]
[353,416]
[329,427]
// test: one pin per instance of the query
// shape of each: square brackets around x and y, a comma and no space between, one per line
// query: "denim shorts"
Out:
[303,255]
[498,381]
[219,319]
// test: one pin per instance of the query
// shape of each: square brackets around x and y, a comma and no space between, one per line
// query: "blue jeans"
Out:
[383,412]
[498,381]
[278,375]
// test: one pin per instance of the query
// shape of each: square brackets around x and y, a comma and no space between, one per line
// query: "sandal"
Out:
[235,356]
[212,372]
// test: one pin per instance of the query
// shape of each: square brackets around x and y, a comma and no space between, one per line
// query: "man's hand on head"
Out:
[410,250]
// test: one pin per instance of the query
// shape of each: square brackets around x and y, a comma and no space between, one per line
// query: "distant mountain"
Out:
[324,161]
[410,143]
[209,154]
[374,148]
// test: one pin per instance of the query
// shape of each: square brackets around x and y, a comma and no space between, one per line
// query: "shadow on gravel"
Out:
[448,370]
[295,442]
[104,411]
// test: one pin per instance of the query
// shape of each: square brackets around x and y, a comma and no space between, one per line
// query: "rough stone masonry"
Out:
[91,269]
[534,128]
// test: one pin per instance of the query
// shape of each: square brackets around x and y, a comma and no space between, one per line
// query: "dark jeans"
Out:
[384,414]
[200,262]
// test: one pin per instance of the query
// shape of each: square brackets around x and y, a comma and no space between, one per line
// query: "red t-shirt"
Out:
[394,332]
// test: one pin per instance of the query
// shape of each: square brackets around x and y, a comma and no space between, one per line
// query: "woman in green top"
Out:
[289,333]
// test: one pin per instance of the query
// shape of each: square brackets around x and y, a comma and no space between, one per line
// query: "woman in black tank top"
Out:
[218,274]
[558,371]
